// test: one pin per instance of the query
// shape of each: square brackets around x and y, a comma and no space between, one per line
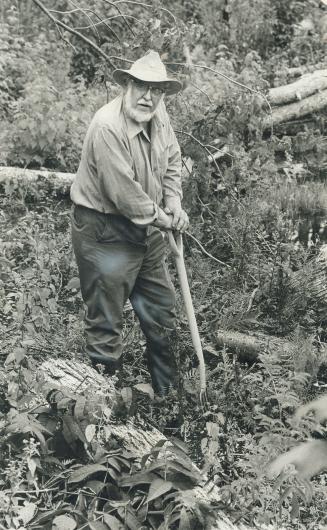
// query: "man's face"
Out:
[141,100]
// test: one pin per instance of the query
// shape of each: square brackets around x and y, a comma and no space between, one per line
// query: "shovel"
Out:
[176,245]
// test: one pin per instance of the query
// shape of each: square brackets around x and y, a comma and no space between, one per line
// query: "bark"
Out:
[302,88]
[296,110]
[248,347]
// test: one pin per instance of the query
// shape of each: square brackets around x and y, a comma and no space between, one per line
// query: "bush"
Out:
[49,125]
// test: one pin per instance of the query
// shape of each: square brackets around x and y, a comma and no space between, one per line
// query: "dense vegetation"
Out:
[257,200]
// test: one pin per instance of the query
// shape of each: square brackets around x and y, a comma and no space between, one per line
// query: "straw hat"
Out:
[149,69]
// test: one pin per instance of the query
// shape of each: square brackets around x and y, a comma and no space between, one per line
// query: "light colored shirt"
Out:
[122,170]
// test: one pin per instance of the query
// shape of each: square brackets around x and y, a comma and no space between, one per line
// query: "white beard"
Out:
[134,114]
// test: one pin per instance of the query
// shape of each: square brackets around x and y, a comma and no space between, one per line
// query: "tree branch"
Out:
[122,15]
[146,5]
[202,91]
[225,77]
[203,147]
[104,20]
[73,32]
[84,11]
[205,251]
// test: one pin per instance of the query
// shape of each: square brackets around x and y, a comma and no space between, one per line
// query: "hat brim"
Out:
[170,86]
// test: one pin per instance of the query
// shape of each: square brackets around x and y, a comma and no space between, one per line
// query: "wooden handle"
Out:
[175,243]
[177,248]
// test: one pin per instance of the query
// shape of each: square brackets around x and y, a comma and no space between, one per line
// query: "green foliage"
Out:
[49,426]
[48,130]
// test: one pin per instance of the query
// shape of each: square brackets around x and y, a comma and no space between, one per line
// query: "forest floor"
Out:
[42,318]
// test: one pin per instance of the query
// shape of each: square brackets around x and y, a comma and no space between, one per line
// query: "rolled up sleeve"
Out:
[117,178]
[172,185]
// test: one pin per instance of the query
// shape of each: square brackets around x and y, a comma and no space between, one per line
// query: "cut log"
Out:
[296,110]
[297,71]
[81,378]
[248,347]
[302,88]
[37,180]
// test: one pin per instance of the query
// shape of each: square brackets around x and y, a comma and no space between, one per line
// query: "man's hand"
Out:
[164,221]
[180,220]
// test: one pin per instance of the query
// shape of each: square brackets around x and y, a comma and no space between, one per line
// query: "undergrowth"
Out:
[62,463]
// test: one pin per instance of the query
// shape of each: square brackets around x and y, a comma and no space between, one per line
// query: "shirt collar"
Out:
[134,128]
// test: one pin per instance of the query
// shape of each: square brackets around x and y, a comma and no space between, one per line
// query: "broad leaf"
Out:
[158,487]
[63,522]
[97,525]
[32,464]
[184,520]
[85,471]
[112,522]
[146,389]
[16,356]
[79,409]
[130,520]
[113,462]
[137,478]
[90,432]
[72,430]
[95,485]
[175,466]
[27,512]
[180,444]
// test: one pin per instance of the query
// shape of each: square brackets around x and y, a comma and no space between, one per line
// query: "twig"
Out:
[84,11]
[124,16]
[120,59]
[219,150]
[104,20]
[203,147]
[147,5]
[63,38]
[74,32]
[237,83]
[202,91]
[212,214]
[64,12]
[252,298]
[94,520]
[205,251]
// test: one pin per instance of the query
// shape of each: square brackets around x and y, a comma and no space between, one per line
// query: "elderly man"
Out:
[126,191]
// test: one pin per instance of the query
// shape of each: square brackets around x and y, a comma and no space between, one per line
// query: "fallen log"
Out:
[302,88]
[249,347]
[83,379]
[52,182]
[293,111]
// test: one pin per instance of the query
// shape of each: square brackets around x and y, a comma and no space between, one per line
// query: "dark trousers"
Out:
[118,260]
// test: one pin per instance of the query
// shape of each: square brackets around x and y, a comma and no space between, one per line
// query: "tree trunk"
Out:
[248,347]
[79,377]
[36,180]
[296,110]
[302,88]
